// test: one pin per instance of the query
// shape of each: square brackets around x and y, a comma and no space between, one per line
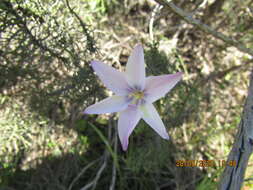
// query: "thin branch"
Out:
[220,74]
[90,42]
[114,171]
[205,28]
[22,24]
[93,183]
[249,179]
[81,173]
[232,177]
[151,22]
[100,171]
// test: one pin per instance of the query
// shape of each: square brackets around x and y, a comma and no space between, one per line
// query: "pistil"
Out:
[136,97]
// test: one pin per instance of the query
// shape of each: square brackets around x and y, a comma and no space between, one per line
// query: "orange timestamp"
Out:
[205,163]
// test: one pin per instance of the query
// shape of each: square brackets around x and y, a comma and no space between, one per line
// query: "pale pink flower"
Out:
[134,95]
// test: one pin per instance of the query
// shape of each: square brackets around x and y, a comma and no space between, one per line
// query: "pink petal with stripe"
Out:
[128,119]
[108,105]
[135,68]
[112,78]
[151,117]
[158,86]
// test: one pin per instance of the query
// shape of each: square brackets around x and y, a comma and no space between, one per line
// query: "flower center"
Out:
[137,95]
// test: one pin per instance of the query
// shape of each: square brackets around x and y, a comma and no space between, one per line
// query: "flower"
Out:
[134,95]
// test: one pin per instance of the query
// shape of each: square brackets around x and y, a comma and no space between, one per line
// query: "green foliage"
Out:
[157,62]
[16,137]
[107,144]
[207,182]
[240,18]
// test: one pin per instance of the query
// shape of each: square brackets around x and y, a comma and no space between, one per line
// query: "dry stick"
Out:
[114,171]
[151,22]
[83,25]
[81,173]
[220,74]
[188,18]
[94,182]
[232,177]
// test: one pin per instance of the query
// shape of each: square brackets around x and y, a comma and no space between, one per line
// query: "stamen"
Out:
[137,95]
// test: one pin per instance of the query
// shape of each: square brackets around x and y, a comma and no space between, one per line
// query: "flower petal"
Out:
[128,119]
[135,68]
[112,78]
[108,105]
[158,86]
[151,117]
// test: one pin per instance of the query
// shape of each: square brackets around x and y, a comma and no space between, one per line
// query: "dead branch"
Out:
[93,183]
[90,41]
[205,28]
[233,176]
[81,173]
[114,171]
[220,74]
[151,22]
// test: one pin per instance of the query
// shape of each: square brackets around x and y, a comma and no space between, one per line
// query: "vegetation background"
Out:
[46,143]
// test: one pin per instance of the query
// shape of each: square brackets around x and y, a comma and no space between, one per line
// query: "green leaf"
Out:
[103,138]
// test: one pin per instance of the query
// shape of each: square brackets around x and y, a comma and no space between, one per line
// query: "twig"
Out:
[90,42]
[36,41]
[81,173]
[188,18]
[232,177]
[151,22]
[114,171]
[217,75]
[93,183]
[249,179]
[100,170]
